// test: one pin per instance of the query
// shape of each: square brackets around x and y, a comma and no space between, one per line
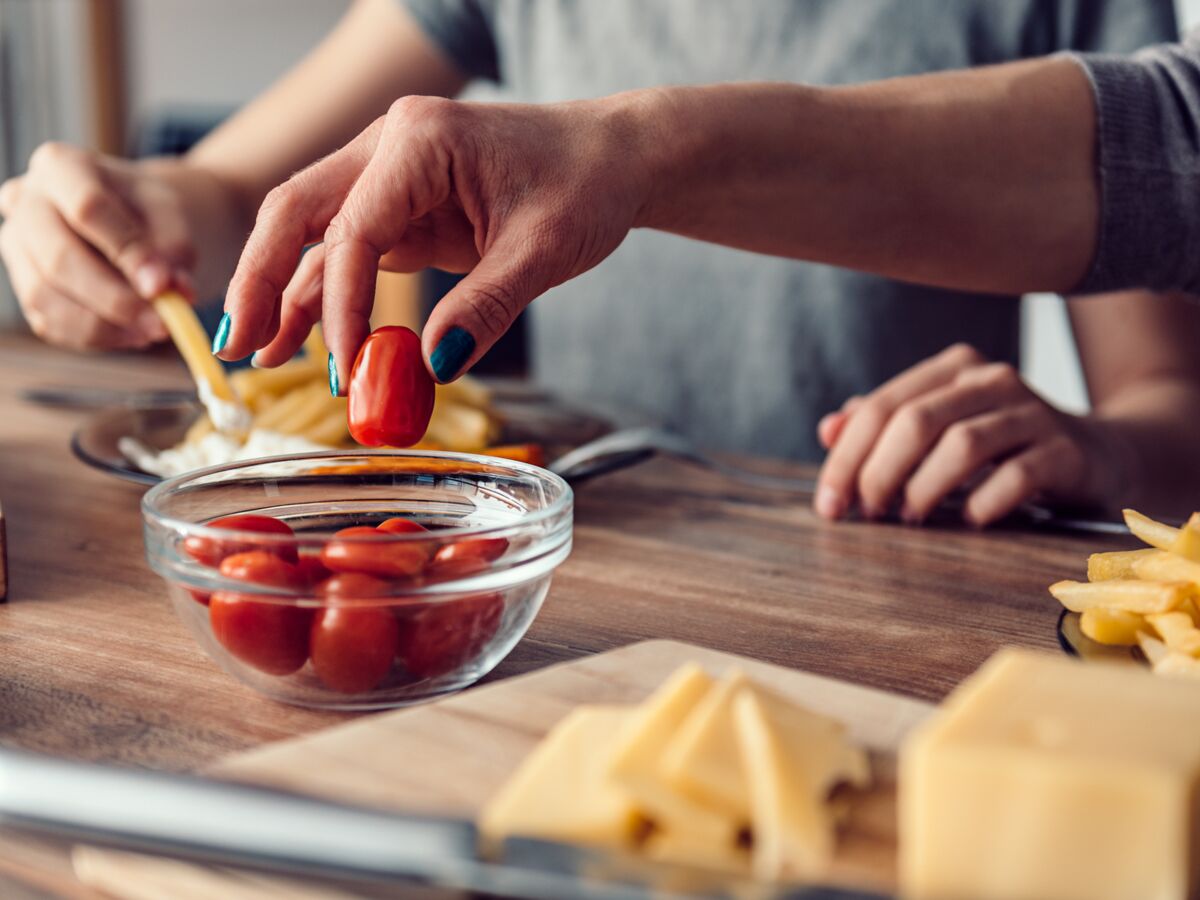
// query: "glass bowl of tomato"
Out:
[359,579]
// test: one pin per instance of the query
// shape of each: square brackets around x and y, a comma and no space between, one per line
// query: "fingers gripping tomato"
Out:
[391,392]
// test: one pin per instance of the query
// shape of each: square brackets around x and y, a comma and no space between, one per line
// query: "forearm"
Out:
[375,55]
[982,179]
[1150,432]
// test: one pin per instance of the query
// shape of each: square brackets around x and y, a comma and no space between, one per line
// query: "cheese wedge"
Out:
[792,759]
[638,751]
[561,791]
[703,761]
[1044,777]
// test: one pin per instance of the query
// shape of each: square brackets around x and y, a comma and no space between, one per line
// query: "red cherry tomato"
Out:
[352,586]
[439,638]
[271,636]
[312,570]
[353,647]
[391,392]
[400,525]
[466,557]
[210,551]
[386,559]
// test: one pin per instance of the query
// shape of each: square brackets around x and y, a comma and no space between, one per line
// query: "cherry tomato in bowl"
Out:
[270,635]
[439,637]
[391,392]
[468,556]
[211,551]
[366,550]
[353,643]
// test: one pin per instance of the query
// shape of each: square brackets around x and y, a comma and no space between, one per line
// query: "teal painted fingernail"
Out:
[221,338]
[333,376]
[451,353]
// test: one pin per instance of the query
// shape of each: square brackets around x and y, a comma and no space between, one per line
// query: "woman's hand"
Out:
[958,421]
[87,240]
[521,197]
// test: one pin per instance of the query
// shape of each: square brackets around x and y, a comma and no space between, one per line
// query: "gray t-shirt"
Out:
[737,350]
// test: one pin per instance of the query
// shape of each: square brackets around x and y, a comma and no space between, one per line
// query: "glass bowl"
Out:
[374,618]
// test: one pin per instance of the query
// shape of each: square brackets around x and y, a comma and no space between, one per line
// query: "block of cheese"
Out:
[1043,777]
[637,754]
[792,758]
[562,792]
[703,761]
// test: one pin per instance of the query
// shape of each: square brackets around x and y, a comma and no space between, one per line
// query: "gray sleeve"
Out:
[463,31]
[1148,159]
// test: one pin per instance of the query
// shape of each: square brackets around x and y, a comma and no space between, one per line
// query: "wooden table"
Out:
[93,664]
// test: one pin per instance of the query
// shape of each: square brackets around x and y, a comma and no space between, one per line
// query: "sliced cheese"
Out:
[1046,777]
[638,751]
[561,791]
[702,761]
[681,848]
[792,758]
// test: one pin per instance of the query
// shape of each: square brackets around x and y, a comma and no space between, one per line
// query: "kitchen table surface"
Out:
[94,665]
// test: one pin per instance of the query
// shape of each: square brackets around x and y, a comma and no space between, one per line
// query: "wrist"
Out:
[1114,477]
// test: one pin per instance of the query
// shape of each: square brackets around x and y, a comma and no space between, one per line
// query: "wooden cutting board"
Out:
[449,757]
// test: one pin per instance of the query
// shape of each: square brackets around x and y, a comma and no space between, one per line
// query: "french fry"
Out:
[193,345]
[1177,631]
[318,405]
[1161,566]
[282,414]
[466,391]
[1187,543]
[1156,534]
[1143,597]
[1178,665]
[1114,627]
[461,427]
[250,384]
[331,430]
[199,429]
[1156,651]
[1115,565]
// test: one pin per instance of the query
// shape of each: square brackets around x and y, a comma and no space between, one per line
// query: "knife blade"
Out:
[264,829]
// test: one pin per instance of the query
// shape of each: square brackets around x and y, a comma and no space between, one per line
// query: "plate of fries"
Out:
[510,419]
[1142,605]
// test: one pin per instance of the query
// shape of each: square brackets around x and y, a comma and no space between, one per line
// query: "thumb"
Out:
[482,307]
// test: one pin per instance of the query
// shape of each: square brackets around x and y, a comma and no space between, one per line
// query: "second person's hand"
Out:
[959,421]
[87,240]
[520,197]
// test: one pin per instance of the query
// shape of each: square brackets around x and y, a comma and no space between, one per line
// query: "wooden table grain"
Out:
[93,664]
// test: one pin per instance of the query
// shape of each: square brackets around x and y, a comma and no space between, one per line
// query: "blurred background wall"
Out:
[191,62]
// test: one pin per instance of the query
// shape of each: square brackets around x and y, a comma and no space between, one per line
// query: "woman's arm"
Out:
[1143,375]
[982,179]
[992,180]
[87,239]
[375,54]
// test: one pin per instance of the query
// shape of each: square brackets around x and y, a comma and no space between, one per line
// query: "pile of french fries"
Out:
[294,399]
[1147,597]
